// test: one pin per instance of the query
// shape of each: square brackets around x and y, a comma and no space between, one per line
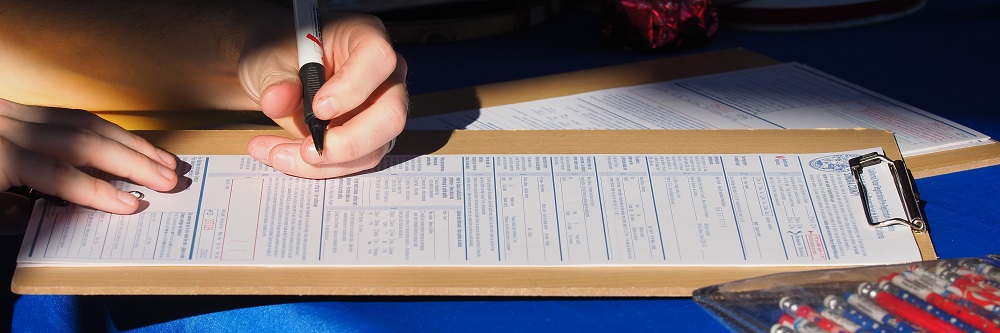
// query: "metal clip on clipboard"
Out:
[905,187]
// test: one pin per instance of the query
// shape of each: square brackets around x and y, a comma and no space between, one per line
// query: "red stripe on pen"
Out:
[807,312]
[949,306]
[913,314]
[800,325]
[948,290]
[962,313]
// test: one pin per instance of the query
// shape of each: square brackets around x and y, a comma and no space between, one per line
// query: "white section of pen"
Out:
[308,35]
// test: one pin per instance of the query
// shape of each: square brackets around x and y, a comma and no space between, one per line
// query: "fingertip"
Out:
[170,185]
[258,150]
[283,160]
[130,201]
[115,202]
[312,156]
[168,159]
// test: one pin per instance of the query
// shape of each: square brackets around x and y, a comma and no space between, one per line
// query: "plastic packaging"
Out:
[945,295]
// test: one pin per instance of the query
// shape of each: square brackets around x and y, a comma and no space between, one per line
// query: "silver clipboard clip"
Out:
[904,187]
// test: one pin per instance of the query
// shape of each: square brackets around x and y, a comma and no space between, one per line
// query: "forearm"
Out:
[129,55]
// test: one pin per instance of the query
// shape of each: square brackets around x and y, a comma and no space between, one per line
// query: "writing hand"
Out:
[42,147]
[365,97]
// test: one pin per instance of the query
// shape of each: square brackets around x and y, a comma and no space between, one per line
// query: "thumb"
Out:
[282,102]
[269,75]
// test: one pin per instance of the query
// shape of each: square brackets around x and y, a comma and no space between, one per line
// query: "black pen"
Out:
[308,40]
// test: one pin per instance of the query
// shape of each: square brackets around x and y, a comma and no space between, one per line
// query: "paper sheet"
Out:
[506,210]
[791,95]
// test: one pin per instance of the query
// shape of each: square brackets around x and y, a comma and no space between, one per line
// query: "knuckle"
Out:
[384,52]
[136,143]
[372,161]
[402,68]
[372,21]
[396,115]
[350,149]
[86,140]
[83,119]
[60,174]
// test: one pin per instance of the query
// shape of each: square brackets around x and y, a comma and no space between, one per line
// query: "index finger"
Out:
[85,119]
[368,128]
[360,63]
[63,180]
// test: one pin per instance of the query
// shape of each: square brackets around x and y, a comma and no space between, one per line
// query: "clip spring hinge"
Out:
[903,180]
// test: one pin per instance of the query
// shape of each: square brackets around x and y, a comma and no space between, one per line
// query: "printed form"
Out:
[524,210]
[784,96]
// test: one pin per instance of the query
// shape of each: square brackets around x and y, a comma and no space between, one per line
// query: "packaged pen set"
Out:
[945,295]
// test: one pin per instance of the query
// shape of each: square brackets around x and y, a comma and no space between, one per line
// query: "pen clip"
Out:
[904,187]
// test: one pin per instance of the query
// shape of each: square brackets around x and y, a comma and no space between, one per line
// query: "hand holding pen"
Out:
[364,98]
[216,55]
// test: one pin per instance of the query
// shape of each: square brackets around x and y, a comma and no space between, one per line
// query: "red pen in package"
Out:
[944,295]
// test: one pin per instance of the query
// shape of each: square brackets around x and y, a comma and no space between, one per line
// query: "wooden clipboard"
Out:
[462,281]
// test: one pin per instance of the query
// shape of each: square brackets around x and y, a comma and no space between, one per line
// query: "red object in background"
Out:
[658,25]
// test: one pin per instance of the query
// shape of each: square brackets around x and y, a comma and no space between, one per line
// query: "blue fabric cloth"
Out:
[361,314]
[942,59]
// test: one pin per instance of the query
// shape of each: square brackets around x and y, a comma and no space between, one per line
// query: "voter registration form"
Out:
[492,210]
[784,96]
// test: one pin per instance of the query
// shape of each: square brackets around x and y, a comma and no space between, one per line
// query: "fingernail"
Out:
[166,172]
[167,158]
[127,198]
[325,108]
[282,161]
[311,148]
[259,152]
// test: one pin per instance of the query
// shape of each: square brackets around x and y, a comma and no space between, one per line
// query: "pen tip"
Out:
[319,148]
[318,140]
[318,130]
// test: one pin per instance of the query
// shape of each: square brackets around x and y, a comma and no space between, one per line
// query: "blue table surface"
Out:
[942,59]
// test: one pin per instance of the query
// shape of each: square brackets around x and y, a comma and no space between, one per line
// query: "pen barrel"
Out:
[309,42]
[312,76]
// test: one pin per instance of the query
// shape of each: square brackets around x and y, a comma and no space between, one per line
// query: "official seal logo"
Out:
[832,163]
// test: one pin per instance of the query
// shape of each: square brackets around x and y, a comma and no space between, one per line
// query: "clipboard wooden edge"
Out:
[461,281]
[956,160]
